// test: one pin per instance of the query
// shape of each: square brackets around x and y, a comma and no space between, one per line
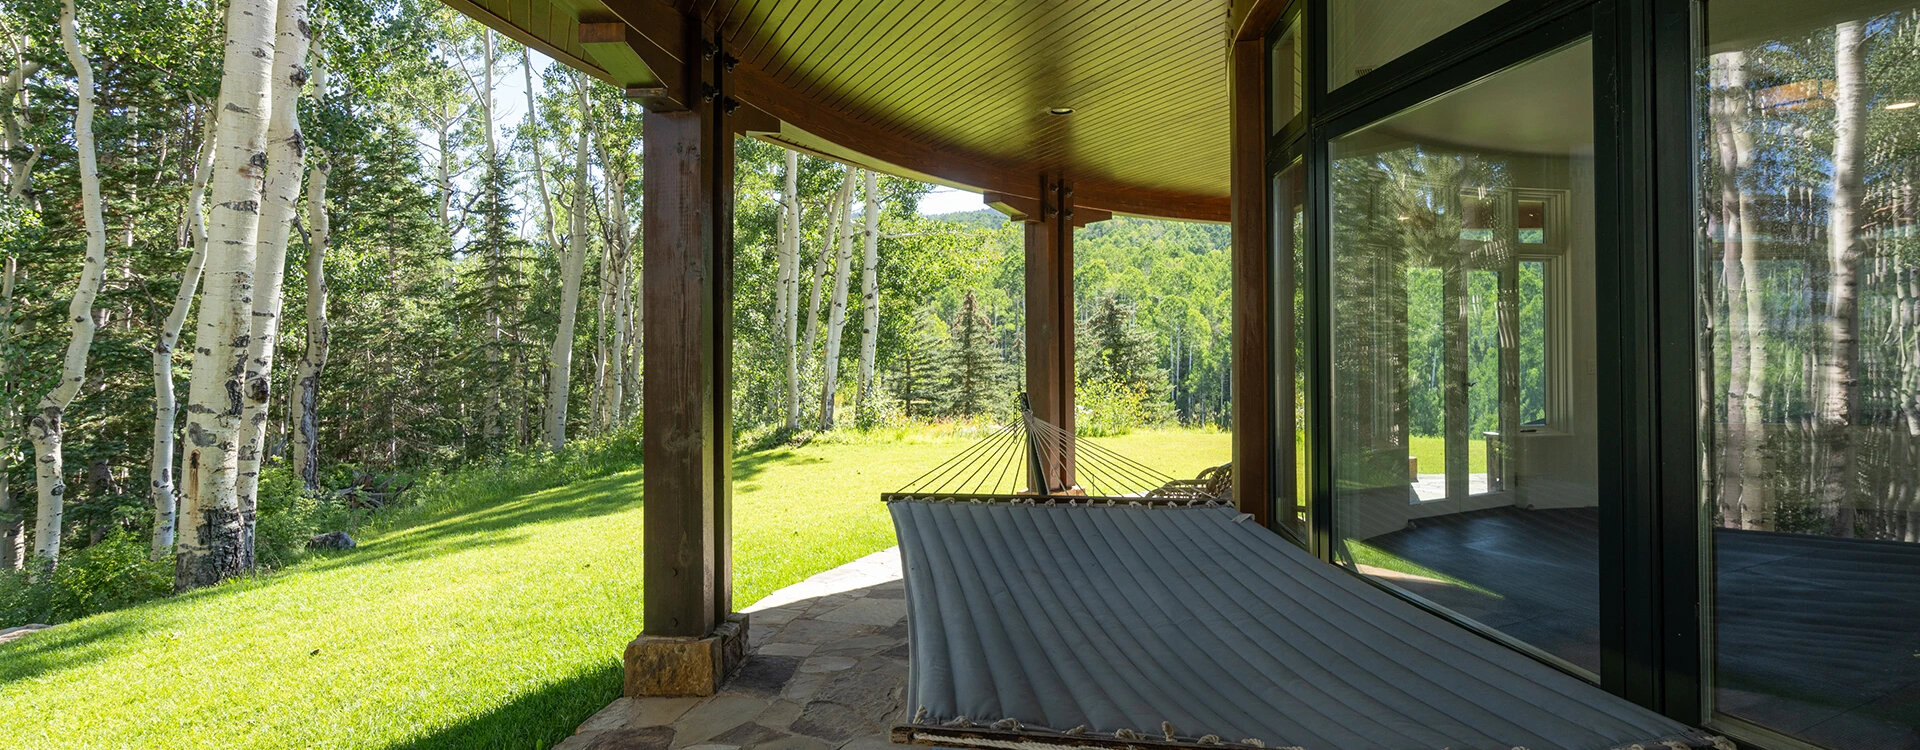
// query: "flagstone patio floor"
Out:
[827,670]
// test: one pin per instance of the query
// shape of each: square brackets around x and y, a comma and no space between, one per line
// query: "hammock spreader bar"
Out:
[1064,622]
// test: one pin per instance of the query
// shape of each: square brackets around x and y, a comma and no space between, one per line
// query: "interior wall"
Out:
[1561,468]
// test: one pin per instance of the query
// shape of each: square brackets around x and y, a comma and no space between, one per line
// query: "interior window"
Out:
[1531,220]
[1535,335]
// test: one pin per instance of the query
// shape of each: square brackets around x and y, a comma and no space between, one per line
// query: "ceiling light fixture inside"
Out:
[1060,111]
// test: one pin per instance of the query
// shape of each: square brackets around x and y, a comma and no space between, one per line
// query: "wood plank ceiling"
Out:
[959,91]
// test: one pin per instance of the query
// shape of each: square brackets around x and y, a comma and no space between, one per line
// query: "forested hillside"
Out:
[249,298]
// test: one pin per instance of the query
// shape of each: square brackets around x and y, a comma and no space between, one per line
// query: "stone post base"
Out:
[676,666]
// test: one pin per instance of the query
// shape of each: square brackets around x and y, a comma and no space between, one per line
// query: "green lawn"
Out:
[497,623]
[1432,452]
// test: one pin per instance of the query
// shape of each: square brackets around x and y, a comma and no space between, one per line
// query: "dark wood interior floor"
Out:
[1817,637]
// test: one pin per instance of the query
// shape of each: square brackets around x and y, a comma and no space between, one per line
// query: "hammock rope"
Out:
[1026,459]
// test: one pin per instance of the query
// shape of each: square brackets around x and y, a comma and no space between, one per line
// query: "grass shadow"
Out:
[493,525]
[60,648]
[534,720]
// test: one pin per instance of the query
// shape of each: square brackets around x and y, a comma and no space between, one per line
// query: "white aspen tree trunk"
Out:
[45,425]
[602,355]
[13,532]
[539,157]
[620,303]
[869,301]
[622,310]
[443,173]
[1838,413]
[630,361]
[782,266]
[1752,486]
[637,327]
[837,317]
[790,286]
[491,403]
[486,93]
[209,545]
[821,263]
[165,407]
[306,378]
[305,402]
[286,166]
[572,266]
[21,157]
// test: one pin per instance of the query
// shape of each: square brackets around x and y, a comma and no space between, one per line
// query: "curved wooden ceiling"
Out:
[951,91]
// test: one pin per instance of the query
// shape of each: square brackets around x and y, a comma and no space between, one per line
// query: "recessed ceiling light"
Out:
[1060,111]
[1903,105]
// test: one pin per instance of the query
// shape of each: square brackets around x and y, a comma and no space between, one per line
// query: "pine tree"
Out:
[973,365]
[494,303]
[1118,351]
[916,381]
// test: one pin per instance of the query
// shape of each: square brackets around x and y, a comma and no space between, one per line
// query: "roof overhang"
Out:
[953,92]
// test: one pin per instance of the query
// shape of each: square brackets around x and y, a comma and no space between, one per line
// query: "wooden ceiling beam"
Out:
[1016,207]
[637,65]
[511,30]
[644,46]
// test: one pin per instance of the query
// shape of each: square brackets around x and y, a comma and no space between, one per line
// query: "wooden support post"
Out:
[1050,313]
[1253,383]
[691,639]
[1050,221]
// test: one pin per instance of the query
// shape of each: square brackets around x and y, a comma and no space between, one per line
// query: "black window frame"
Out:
[1653,581]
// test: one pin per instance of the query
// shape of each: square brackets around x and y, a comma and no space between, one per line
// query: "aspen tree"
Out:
[1840,407]
[210,542]
[789,296]
[286,165]
[313,360]
[45,425]
[837,317]
[165,405]
[21,157]
[306,378]
[572,265]
[817,282]
[870,302]
[13,551]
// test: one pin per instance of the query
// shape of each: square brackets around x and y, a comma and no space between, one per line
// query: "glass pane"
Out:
[1426,382]
[1810,266]
[1290,347]
[1366,34]
[1532,221]
[1533,342]
[1285,63]
[1437,490]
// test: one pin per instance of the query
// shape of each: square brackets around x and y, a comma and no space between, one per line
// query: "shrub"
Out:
[517,473]
[1107,408]
[288,516]
[110,574]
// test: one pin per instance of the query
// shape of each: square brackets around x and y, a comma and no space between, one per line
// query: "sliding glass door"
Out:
[1604,333]
[1451,483]
[1809,273]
